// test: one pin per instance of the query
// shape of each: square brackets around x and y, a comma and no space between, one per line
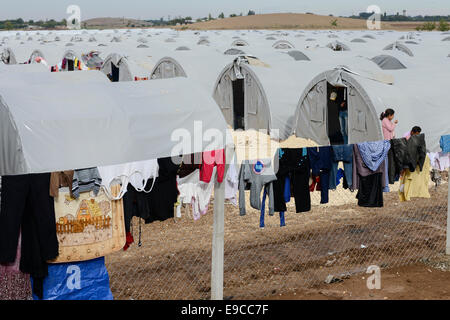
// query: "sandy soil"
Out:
[174,261]
[427,280]
[293,21]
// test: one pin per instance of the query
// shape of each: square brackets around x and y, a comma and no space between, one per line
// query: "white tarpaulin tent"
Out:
[107,123]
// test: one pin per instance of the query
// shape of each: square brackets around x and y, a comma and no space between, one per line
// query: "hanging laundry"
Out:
[439,160]
[155,200]
[27,208]
[232,183]
[292,164]
[253,176]
[165,193]
[263,210]
[210,160]
[86,180]
[189,164]
[137,173]
[415,184]
[369,183]
[195,193]
[342,153]
[62,179]
[14,284]
[320,161]
[445,143]
[408,154]
[417,150]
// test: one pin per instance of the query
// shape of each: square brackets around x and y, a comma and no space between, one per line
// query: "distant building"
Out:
[404,13]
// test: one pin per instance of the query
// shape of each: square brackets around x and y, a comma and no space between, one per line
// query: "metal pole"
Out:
[218,242]
[218,235]
[447,251]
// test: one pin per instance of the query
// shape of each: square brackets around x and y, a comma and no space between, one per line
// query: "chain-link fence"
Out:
[331,241]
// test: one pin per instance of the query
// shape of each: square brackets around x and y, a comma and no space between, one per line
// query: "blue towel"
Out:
[445,143]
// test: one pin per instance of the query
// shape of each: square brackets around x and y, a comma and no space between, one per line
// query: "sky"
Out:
[155,9]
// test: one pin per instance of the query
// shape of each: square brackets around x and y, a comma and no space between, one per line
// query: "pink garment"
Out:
[210,160]
[388,129]
[407,135]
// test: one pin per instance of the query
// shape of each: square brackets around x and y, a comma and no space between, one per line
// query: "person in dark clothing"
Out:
[343,120]
[294,164]
[27,207]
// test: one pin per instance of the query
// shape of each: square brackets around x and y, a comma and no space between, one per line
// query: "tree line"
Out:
[15,24]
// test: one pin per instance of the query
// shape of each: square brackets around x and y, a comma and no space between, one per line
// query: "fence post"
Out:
[218,234]
[448,221]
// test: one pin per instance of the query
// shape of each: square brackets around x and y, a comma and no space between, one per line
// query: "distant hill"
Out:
[291,21]
[111,23]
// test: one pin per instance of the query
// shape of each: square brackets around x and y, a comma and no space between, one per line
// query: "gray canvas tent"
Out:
[283,44]
[121,68]
[400,47]
[8,56]
[167,68]
[311,114]
[256,96]
[338,46]
[43,131]
[387,62]
[234,52]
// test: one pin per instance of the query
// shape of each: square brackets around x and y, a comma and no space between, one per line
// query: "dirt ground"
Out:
[293,21]
[427,280]
[174,260]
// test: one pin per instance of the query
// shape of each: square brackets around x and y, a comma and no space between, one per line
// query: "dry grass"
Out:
[292,21]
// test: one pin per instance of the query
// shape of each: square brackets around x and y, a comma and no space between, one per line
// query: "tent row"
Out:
[286,90]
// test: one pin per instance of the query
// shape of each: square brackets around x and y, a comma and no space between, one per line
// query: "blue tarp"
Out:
[86,280]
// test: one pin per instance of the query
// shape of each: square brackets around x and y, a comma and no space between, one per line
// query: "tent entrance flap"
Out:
[238,104]
[336,96]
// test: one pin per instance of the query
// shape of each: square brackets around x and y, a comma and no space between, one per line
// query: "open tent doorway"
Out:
[335,124]
[238,104]
[317,118]
[114,73]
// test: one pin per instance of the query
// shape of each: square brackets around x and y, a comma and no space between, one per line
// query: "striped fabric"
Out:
[86,180]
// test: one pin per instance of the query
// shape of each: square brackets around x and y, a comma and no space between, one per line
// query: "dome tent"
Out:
[120,68]
[298,55]
[255,96]
[234,51]
[167,68]
[117,115]
[338,46]
[369,94]
[400,47]
[239,43]
[387,62]
[8,56]
[283,44]
[359,40]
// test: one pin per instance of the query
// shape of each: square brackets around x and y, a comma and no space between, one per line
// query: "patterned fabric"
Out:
[374,153]
[14,285]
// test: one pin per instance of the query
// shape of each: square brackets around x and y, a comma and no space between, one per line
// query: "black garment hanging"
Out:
[370,193]
[164,194]
[294,164]
[27,207]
